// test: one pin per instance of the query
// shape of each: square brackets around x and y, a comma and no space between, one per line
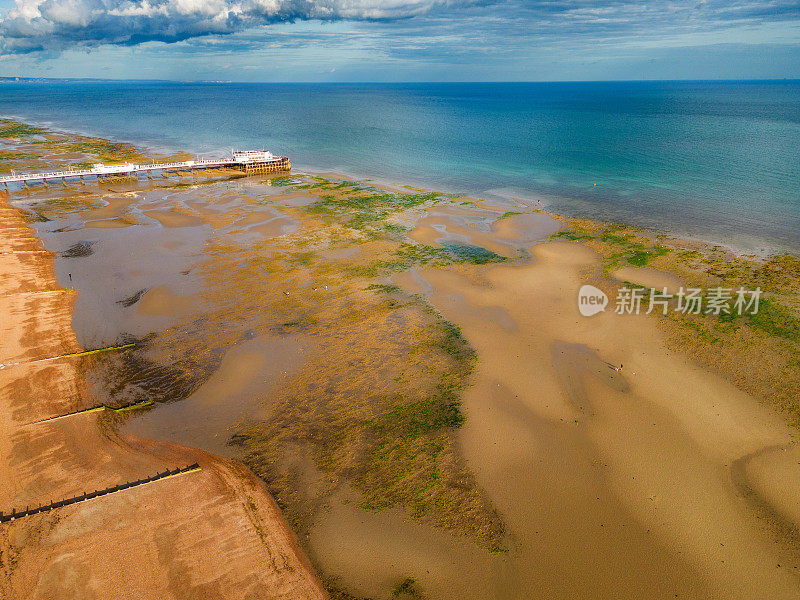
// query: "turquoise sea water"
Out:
[715,160]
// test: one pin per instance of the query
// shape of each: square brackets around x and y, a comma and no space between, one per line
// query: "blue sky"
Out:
[400,40]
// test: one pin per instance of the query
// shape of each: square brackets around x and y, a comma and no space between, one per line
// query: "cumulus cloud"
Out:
[55,25]
[34,25]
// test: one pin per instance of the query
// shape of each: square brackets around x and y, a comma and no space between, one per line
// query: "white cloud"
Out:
[58,24]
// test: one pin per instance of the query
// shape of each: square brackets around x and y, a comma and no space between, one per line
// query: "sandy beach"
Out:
[408,375]
[643,471]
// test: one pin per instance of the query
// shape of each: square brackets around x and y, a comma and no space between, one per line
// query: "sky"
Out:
[400,40]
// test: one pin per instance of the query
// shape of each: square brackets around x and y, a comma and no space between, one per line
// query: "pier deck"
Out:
[249,162]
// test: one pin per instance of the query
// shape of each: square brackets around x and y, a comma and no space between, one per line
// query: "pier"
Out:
[247,161]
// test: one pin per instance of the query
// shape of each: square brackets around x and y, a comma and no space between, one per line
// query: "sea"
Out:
[712,160]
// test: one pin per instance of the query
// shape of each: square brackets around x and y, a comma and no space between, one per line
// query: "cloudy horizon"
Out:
[400,40]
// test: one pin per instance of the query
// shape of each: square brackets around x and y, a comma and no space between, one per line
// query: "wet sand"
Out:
[629,491]
[207,419]
[604,479]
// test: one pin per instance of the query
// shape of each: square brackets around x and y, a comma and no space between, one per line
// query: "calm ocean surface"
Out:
[719,161]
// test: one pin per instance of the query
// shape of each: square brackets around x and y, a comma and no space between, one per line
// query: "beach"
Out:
[205,534]
[390,391]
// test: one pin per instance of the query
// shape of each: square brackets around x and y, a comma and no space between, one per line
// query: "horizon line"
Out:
[22,78]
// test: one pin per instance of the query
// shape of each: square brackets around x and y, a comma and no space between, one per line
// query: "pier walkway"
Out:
[248,161]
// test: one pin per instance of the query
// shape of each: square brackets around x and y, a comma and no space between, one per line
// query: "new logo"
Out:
[591,300]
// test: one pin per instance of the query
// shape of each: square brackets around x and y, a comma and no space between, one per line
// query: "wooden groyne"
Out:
[103,407]
[16,514]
